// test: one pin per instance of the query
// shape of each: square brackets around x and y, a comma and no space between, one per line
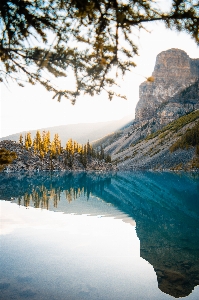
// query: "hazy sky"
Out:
[32,107]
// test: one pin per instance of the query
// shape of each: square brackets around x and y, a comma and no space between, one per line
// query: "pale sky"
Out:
[32,107]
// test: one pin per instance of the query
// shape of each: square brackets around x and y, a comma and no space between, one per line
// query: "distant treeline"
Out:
[42,145]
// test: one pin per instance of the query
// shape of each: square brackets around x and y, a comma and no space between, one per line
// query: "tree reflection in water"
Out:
[165,207]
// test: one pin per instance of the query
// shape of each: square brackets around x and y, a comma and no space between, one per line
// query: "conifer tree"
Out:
[84,156]
[93,153]
[53,151]
[79,148]
[26,144]
[74,146]
[70,152]
[57,143]
[21,139]
[29,140]
[45,144]
[69,146]
[81,152]
[35,146]
[105,28]
[88,149]
[98,155]
[101,152]
[37,142]
[107,158]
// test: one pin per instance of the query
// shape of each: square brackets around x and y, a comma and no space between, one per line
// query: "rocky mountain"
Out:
[173,90]
[172,147]
[167,114]
[170,93]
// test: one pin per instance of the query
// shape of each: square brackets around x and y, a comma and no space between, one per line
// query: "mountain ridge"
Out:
[81,132]
[172,92]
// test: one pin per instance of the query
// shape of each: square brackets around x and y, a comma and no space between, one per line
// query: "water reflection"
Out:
[42,189]
[165,207]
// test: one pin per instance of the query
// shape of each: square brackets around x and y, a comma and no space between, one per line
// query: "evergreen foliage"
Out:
[21,139]
[42,145]
[176,124]
[91,37]
[190,138]
[28,140]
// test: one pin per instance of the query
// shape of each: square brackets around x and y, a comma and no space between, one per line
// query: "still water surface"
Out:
[91,236]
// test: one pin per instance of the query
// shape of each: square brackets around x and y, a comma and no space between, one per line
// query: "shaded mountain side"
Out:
[184,102]
[80,132]
[108,139]
[173,92]
[190,96]
[156,151]
[111,137]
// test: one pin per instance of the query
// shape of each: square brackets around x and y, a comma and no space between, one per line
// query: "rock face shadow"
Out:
[175,261]
[174,283]
[168,228]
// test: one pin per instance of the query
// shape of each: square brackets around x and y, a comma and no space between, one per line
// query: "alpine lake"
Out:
[106,236]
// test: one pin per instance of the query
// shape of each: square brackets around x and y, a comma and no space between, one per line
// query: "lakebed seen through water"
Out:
[91,236]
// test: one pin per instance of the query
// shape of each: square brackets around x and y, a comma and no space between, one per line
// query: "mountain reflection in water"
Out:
[165,207]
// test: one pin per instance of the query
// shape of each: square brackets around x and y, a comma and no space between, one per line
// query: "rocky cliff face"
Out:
[161,99]
[172,92]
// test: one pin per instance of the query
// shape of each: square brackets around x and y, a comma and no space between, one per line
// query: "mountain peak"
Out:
[174,72]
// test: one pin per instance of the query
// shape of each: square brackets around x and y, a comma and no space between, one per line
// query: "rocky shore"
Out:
[27,160]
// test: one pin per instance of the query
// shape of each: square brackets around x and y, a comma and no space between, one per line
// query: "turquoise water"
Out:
[99,236]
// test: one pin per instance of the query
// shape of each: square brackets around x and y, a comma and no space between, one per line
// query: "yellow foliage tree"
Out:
[21,139]
[37,142]
[57,143]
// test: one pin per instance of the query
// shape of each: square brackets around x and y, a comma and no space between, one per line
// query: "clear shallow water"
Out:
[119,236]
